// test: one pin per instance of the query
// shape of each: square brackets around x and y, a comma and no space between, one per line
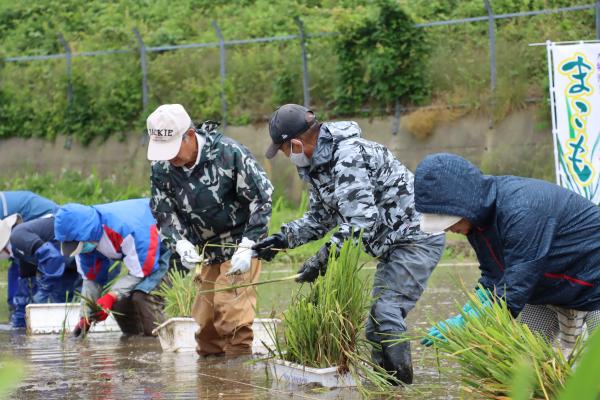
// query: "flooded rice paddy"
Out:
[109,366]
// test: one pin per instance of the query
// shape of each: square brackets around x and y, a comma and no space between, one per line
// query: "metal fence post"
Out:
[68,59]
[492,37]
[305,86]
[222,70]
[598,19]
[397,115]
[144,67]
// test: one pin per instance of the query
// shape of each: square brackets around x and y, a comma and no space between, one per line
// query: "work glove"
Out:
[242,258]
[264,248]
[83,326]
[314,266]
[456,321]
[188,254]
[106,302]
[50,261]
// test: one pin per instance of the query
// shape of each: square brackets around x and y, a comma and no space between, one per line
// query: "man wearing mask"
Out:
[209,193]
[20,206]
[357,185]
[99,235]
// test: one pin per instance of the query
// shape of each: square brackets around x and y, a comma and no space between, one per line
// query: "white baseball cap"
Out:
[6,226]
[166,127]
[437,223]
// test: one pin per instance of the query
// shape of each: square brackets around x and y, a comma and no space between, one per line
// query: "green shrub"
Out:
[380,58]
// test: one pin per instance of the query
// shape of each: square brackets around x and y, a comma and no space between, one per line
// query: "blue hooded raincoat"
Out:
[124,230]
[537,243]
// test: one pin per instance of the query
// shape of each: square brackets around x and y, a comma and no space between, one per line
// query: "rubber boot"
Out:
[23,296]
[397,361]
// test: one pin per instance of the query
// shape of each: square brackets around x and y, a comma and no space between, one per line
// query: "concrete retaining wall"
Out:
[515,146]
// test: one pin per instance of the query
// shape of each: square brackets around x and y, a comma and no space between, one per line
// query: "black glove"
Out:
[264,247]
[314,266]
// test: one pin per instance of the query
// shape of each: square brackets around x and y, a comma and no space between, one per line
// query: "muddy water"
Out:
[107,366]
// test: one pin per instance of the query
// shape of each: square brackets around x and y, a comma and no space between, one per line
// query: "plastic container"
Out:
[51,318]
[264,331]
[177,334]
[301,375]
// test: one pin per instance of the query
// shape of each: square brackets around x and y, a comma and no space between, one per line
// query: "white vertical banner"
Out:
[574,71]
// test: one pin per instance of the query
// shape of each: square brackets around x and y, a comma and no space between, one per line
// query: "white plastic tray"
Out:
[177,334]
[50,318]
[301,375]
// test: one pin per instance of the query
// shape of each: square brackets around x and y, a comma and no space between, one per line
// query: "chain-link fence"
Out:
[301,37]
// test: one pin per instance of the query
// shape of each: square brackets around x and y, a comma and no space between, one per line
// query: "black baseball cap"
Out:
[287,122]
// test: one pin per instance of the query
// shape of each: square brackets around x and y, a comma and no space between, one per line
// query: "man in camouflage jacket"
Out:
[357,185]
[209,191]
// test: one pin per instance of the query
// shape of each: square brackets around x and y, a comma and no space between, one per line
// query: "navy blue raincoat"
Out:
[537,243]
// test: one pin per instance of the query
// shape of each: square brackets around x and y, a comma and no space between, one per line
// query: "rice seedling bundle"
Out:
[490,347]
[178,292]
[324,327]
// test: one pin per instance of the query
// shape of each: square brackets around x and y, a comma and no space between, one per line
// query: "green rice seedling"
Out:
[324,327]
[582,384]
[65,328]
[490,346]
[178,292]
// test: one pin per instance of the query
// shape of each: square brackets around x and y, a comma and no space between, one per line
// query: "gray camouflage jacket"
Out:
[227,196]
[356,184]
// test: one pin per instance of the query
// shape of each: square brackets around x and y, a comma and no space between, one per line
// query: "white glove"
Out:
[242,258]
[188,254]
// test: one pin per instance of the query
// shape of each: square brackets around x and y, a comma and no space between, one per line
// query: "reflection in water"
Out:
[107,366]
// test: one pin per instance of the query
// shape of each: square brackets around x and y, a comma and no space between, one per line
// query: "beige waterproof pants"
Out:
[225,318]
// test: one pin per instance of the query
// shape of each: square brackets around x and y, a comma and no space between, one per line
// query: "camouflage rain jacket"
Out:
[356,184]
[226,196]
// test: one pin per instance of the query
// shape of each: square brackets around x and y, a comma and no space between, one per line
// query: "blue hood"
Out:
[449,184]
[77,222]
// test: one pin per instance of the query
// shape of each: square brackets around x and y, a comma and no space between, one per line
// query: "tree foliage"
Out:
[379,57]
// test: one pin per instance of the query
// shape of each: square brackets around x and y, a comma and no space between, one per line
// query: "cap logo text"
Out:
[161,132]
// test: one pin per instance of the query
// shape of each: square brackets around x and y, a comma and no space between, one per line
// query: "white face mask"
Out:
[299,159]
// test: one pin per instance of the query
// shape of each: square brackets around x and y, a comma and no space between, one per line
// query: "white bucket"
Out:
[264,333]
[54,317]
[301,375]
[177,334]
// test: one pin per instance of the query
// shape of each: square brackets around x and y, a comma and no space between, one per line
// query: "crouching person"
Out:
[38,253]
[21,206]
[100,235]
[538,245]
[209,189]
[357,185]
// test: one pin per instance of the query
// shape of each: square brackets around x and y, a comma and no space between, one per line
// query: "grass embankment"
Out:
[33,99]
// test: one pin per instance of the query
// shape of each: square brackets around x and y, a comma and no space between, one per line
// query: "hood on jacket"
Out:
[330,135]
[449,184]
[77,222]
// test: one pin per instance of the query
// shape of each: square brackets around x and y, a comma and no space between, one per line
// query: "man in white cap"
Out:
[209,193]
